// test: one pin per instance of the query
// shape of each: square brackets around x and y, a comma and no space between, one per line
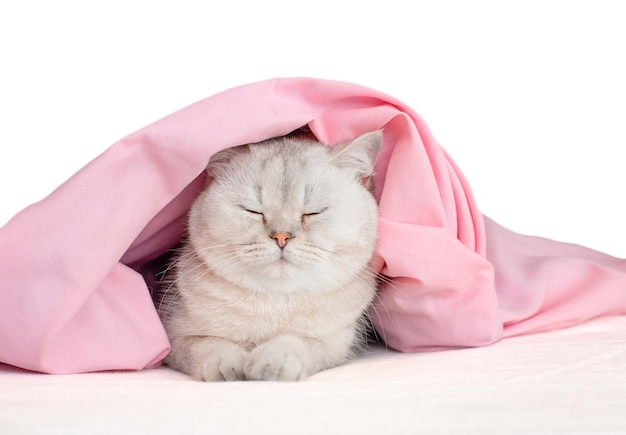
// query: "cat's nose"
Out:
[281,238]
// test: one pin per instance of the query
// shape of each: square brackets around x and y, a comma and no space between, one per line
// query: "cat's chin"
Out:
[283,276]
[283,269]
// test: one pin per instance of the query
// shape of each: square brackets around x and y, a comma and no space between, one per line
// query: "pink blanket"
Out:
[71,299]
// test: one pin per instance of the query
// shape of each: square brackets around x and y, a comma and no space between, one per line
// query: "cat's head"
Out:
[288,214]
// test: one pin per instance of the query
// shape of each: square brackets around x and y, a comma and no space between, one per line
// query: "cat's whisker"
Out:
[190,256]
[316,247]
[220,262]
[378,303]
[227,245]
[390,283]
[171,301]
[366,324]
[371,328]
[173,252]
[374,307]
[180,261]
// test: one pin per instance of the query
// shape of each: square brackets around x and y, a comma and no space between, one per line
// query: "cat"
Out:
[272,281]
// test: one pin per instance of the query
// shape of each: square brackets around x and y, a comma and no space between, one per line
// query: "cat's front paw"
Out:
[225,363]
[275,360]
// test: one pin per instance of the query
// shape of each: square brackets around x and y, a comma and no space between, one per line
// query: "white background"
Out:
[528,97]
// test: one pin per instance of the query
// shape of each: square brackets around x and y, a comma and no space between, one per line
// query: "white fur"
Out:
[240,307]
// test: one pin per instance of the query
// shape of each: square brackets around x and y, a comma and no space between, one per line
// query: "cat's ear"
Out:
[360,155]
[220,161]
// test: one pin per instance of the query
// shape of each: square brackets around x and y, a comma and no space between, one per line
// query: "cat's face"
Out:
[288,215]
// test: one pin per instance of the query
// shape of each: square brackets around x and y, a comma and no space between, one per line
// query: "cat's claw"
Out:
[274,363]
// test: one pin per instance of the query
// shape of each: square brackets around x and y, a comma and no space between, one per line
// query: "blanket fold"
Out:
[72,298]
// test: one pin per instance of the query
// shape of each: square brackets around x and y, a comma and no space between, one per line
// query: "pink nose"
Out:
[281,238]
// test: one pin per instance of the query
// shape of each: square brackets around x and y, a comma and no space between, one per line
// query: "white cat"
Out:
[273,281]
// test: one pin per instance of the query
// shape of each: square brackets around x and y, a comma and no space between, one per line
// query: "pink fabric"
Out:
[72,301]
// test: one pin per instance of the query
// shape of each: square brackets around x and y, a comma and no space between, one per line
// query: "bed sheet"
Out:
[565,381]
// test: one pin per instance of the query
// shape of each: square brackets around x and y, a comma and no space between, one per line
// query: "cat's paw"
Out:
[275,361]
[225,363]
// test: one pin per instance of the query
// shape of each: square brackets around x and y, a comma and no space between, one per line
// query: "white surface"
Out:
[568,381]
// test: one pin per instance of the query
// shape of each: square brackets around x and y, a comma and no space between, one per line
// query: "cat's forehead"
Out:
[288,152]
[299,173]
[289,162]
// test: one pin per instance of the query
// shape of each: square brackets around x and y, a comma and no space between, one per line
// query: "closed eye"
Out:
[251,211]
[313,213]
